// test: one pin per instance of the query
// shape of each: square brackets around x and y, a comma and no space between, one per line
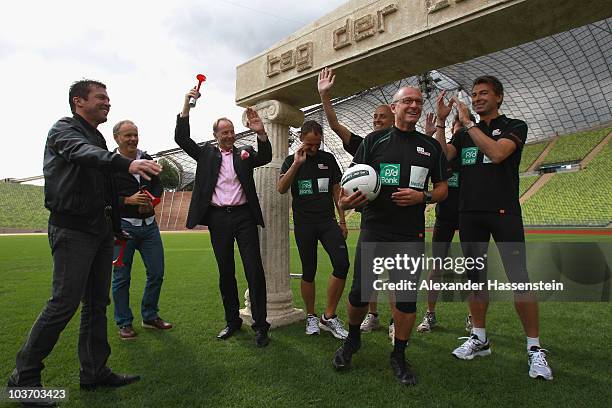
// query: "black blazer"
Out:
[208,158]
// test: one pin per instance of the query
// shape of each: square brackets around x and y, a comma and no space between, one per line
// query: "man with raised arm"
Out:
[490,153]
[225,200]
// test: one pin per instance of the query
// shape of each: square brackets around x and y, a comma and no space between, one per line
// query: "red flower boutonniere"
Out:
[244,155]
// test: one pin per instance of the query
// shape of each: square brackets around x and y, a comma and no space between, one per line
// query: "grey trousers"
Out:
[82,265]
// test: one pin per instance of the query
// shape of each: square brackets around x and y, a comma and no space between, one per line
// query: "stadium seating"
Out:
[22,207]
[530,153]
[577,198]
[171,213]
[525,183]
[575,146]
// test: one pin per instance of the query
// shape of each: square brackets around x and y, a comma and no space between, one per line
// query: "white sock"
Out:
[532,341]
[481,333]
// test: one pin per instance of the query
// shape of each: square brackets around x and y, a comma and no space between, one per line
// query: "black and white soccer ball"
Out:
[361,177]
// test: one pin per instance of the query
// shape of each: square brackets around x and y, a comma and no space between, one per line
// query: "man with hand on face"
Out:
[490,153]
[406,160]
[314,178]
[81,196]
[224,199]
[137,219]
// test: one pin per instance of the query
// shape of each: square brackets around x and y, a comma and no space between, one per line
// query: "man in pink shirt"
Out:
[224,199]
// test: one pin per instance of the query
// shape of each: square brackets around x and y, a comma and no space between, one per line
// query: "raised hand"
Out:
[254,121]
[193,93]
[462,110]
[326,80]
[300,157]
[443,109]
[430,124]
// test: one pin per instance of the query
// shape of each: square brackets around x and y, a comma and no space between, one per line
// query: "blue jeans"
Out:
[148,242]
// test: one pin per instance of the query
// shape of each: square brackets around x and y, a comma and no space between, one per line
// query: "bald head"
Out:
[405,92]
[383,117]
[407,106]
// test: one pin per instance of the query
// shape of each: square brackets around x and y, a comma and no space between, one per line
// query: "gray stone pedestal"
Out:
[277,118]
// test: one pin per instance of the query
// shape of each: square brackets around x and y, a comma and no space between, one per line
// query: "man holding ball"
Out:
[405,160]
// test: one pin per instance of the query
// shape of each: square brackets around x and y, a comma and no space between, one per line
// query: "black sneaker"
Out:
[402,370]
[342,358]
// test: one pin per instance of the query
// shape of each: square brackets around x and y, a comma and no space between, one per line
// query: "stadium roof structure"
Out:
[558,84]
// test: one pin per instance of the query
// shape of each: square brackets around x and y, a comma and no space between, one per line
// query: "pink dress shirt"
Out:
[228,191]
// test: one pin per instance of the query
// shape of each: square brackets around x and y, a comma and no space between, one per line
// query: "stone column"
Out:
[277,118]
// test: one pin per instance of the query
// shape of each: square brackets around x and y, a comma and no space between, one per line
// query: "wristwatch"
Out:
[469,126]
[426,197]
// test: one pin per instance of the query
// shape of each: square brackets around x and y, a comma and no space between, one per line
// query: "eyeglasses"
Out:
[409,101]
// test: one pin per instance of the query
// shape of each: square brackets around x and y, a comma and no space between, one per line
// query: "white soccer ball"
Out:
[361,177]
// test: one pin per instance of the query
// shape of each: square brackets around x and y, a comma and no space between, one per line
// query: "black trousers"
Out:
[227,224]
[82,265]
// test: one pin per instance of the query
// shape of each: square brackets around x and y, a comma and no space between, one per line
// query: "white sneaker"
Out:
[333,325]
[428,323]
[538,366]
[392,332]
[370,323]
[471,348]
[312,325]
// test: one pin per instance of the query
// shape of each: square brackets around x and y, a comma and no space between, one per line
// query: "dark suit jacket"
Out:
[208,158]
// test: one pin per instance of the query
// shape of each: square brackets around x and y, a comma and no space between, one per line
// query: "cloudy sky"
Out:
[147,53]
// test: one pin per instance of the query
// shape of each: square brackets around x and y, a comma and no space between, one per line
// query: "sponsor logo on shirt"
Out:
[453,181]
[468,156]
[389,174]
[323,184]
[322,166]
[418,176]
[496,132]
[305,187]
[422,151]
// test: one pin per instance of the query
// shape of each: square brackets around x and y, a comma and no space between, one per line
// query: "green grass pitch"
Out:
[188,367]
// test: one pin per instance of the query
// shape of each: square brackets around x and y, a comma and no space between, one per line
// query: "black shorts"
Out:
[330,235]
[443,234]
[362,287]
[475,231]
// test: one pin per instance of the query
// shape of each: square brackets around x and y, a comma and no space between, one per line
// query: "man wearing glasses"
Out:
[405,160]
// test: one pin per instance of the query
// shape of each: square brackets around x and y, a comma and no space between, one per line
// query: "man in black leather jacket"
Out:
[79,193]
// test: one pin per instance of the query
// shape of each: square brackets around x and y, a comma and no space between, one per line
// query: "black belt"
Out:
[230,208]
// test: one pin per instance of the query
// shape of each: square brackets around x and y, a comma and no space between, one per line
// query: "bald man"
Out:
[383,118]
[406,160]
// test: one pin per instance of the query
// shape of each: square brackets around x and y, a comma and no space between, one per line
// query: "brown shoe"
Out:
[157,323]
[127,332]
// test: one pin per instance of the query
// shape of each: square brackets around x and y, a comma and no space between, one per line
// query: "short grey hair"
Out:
[117,127]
